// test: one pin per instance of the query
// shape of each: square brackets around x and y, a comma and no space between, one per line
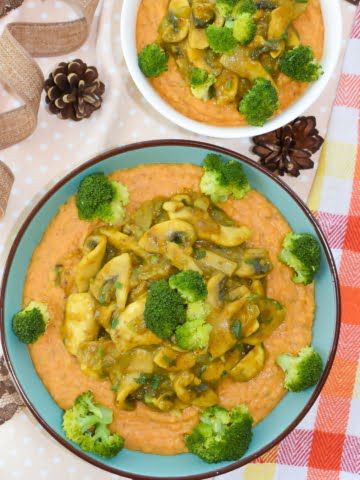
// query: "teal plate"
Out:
[133,464]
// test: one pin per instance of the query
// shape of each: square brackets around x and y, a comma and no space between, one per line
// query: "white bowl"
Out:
[333,36]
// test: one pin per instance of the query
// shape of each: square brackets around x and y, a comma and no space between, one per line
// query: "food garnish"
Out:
[231,52]
[86,423]
[153,60]
[223,179]
[31,322]
[301,371]
[99,198]
[221,435]
[301,252]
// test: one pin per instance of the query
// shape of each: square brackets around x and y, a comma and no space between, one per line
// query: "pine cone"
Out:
[289,148]
[7,5]
[73,90]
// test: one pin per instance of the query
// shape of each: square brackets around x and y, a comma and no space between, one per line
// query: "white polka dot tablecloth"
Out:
[57,147]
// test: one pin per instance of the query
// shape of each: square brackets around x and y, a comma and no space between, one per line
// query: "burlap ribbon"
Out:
[18,44]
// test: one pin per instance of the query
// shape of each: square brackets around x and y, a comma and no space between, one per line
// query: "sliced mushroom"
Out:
[104,315]
[204,59]
[113,281]
[97,357]
[174,29]
[140,360]
[206,399]
[164,402]
[221,337]
[254,263]
[180,259]
[127,386]
[281,17]
[129,329]
[182,382]
[226,87]
[94,249]
[80,324]
[249,319]
[217,262]
[203,13]
[207,229]
[198,38]
[216,292]
[249,366]
[238,292]
[160,235]
[257,288]
[123,242]
[241,63]
[168,359]
[293,38]
[180,8]
[271,316]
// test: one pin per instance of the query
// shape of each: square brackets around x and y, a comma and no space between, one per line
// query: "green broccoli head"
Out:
[195,332]
[260,102]
[198,311]
[164,309]
[300,64]
[102,199]
[153,60]
[225,7]
[221,435]
[86,423]
[302,371]
[201,83]
[190,285]
[244,28]
[244,6]
[302,253]
[223,179]
[31,322]
[221,39]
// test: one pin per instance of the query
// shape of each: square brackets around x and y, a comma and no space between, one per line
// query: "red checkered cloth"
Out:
[326,444]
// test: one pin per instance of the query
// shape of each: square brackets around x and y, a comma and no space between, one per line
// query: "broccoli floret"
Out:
[260,102]
[153,60]
[190,285]
[221,435]
[195,332]
[302,371]
[201,83]
[31,322]
[302,253]
[221,39]
[198,311]
[244,28]
[100,198]
[193,335]
[223,179]
[300,64]
[244,6]
[164,309]
[86,423]
[225,7]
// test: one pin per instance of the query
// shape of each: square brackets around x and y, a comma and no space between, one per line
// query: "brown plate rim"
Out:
[140,146]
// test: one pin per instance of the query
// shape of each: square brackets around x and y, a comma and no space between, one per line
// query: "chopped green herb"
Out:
[58,272]
[118,285]
[236,328]
[115,322]
[142,379]
[199,253]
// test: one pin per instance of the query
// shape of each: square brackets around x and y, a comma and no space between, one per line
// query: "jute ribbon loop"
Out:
[18,44]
